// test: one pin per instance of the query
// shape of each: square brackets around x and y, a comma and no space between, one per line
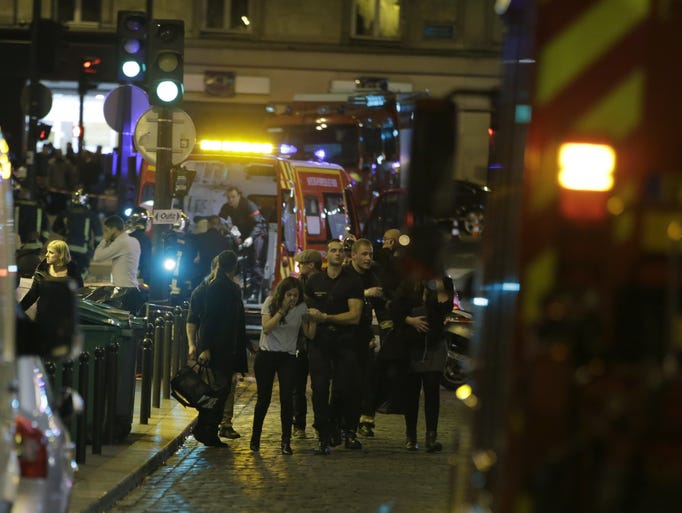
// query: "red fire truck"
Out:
[305,204]
[367,132]
[575,400]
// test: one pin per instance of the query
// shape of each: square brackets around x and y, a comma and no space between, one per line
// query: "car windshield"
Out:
[335,143]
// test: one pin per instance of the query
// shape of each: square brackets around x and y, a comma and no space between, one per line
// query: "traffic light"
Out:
[88,71]
[131,45]
[165,62]
[42,131]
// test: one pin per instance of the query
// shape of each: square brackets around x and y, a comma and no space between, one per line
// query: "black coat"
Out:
[222,329]
[424,351]
[41,274]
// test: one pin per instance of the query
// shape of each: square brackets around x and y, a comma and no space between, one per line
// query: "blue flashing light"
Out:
[480,301]
[169,264]
[287,149]
[320,154]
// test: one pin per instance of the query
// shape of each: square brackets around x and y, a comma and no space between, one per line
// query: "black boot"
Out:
[351,441]
[323,448]
[432,445]
[286,446]
[255,440]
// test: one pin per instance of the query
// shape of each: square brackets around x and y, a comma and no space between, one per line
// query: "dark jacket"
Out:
[41,274]
[247,217]
[424,351]
[222,327]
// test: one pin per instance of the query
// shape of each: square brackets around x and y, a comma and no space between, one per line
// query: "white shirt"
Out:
[124,253]
[284,336]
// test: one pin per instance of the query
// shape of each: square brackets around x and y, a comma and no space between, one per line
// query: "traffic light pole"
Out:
[162,195]
[31,161]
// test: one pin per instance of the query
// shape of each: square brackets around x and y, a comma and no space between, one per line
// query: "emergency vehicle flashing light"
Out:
[586,167]
[235,146]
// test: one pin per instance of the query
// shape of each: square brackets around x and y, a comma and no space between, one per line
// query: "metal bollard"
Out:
[67,374]
[167,347]
[179,340]
[146,387]
[157,371]
[51,371]
[111,387]
[99,400]
[82,422]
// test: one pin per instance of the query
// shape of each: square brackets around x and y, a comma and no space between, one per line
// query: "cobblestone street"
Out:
[383,477]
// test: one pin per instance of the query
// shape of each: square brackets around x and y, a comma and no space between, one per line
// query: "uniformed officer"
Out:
[30,219]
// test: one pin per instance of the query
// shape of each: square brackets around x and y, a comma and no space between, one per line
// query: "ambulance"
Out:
[305,204]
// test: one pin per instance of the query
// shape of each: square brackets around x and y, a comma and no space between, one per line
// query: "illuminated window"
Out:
[378,19]
[227,15]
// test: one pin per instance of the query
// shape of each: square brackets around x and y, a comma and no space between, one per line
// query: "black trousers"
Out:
[266,365]
[300,385]
[333,356]
[430,382]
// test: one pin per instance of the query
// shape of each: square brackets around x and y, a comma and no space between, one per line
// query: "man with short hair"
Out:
[363,265]
[336,300]
[309,263]
[247,217]
[124,253]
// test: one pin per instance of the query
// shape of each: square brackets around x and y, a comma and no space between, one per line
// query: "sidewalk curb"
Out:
[136,476]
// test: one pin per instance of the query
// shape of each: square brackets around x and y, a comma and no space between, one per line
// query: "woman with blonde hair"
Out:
[57,264]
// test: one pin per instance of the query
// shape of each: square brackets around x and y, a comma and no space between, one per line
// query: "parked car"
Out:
[46,453]
[9,463]
[464,217]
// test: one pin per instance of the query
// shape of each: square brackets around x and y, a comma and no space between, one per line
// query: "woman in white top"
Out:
[283,316]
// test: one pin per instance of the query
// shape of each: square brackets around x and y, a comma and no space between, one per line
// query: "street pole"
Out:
[162,195]
[31,161]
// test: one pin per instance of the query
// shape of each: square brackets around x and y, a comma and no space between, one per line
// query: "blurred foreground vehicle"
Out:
[36,454]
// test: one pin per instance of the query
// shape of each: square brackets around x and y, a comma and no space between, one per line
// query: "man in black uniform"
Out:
[31,221]
[363,265]
[82,229]
[246,216]
[336,305]
[136,226]
[208,245]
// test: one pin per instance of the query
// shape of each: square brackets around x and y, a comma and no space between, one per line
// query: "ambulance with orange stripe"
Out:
[305,204]
[576,402]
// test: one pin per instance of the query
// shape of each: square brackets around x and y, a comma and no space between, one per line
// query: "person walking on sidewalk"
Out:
[221,342]
[196,307]
[336,300]
[283,316]
[309,263]
[419,309]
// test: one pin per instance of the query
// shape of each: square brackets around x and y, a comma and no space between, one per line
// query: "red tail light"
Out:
[32,449]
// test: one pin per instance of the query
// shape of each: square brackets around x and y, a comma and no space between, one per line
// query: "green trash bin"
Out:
[101,326]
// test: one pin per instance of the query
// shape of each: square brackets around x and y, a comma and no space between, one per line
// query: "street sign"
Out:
[36,100]
[166,216]
[123,106]
[146,135]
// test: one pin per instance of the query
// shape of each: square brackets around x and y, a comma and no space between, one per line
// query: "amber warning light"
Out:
[586,177]
[586,167]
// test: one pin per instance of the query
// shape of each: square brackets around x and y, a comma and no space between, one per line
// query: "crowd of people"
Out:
[320,326]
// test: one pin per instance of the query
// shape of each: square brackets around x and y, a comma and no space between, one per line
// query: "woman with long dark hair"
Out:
[283,315]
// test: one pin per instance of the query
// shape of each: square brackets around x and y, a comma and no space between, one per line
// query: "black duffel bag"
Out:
[194,386]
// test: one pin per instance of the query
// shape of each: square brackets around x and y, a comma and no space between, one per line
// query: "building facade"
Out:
[241,55]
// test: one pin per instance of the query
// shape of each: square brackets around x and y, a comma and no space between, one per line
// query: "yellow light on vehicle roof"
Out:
[235,146]
[586,167]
